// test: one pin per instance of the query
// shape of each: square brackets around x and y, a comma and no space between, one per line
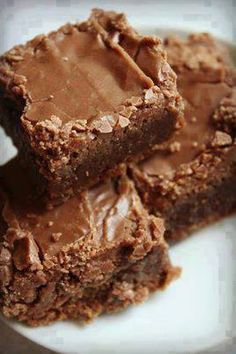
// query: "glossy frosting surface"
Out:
[103,214]
[201,71]
[78,75]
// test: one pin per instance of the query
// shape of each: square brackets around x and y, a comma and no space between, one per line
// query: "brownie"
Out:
[98,252]
[146,51]
[78,106]
[191,180]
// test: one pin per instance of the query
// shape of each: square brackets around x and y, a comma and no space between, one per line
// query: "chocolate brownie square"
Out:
[78,106]
[191,180]
[98,252]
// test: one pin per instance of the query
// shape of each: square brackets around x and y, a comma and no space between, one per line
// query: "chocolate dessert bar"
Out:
[191,180]
[142,49]
[78,106]
[97,252]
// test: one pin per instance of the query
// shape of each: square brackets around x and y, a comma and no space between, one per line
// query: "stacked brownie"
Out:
[191,180]
[106,165]
[99,251]
[78,108]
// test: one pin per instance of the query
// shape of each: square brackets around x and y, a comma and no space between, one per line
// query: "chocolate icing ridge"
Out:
[104,215]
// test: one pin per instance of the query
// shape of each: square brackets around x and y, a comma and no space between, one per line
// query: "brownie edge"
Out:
[191,180]
[98,252]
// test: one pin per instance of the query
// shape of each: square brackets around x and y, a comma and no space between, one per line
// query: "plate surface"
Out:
[197,313]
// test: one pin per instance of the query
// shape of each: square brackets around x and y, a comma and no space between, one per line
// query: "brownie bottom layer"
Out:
[131,286]
[210,206]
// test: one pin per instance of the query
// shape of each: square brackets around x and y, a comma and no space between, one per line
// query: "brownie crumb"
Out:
[123,122]
[56,236]
[175,146]
[50,223]
[195,144]
[193,119]
[25,253]
[149,96]
[225,115]
[221,139]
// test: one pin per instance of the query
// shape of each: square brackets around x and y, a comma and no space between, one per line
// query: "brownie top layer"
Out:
[101,218]
[146,51]
[201,55]
[74,74]
[205,77]
[79,74]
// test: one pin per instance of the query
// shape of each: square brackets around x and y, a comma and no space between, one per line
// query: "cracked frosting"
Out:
[103,216]
[96,253]
[79,75]
[146,51]
[203,81]
[190,180]
[81,107]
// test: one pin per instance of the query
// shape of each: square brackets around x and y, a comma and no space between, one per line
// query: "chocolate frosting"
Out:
[201,101]
[146,51]
[103,216]
[203,82]
[82,106]
[78,75]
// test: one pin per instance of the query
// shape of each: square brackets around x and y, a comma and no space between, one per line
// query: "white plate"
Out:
[197,312]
